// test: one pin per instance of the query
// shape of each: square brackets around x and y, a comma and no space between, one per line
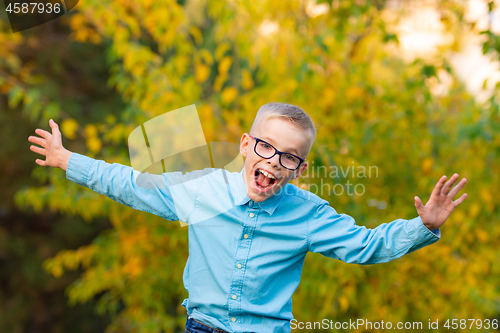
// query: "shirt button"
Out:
[234,296]
[245,236]
[239,265]
[252,214]
[233,319]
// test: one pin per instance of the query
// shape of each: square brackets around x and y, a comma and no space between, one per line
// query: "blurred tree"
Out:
[340,61]
[31,299]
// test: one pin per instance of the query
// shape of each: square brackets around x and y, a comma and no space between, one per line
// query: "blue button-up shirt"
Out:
[245,258]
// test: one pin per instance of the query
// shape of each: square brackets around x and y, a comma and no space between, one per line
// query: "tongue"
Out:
[263,180]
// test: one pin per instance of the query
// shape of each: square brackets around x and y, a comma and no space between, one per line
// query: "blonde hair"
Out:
[292,113]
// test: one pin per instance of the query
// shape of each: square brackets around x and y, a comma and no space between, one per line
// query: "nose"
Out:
[274,161]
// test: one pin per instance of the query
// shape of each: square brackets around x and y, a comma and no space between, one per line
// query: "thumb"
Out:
[418,203]
[55,128]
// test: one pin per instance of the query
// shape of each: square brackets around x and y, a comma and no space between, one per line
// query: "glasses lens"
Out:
[289,161]
[265,150]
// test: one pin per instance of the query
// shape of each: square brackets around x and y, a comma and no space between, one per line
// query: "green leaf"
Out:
[15,95]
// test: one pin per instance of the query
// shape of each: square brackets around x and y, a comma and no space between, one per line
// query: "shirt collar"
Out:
[241,196]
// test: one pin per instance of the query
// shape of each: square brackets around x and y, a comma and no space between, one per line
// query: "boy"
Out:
[243,269]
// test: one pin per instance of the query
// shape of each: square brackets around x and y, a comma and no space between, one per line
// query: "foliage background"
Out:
[72,258]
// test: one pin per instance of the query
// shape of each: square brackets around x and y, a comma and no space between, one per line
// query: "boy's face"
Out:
[285,137]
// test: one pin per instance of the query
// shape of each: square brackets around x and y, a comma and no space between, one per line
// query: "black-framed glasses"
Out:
[266,150]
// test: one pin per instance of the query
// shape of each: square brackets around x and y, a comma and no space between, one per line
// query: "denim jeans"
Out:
[194,326]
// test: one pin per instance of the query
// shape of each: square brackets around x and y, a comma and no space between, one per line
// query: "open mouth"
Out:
[264,180]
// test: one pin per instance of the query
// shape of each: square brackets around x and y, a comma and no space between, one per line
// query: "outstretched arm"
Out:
[55,154]
[337,236]
[440,204]
[121,183]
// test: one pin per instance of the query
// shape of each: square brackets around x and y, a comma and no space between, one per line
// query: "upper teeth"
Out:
[267,174]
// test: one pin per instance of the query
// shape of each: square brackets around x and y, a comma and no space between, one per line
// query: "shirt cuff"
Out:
[78,168]
[420,234]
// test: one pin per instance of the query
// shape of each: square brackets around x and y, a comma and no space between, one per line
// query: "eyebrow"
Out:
[292,151]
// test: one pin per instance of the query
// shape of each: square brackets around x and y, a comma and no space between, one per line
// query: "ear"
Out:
[300,170]
[244,144]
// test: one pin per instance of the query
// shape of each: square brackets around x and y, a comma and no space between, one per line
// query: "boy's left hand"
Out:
[440,204]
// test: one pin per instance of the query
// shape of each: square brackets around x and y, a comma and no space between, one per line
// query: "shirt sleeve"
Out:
[337,236]
[142,191]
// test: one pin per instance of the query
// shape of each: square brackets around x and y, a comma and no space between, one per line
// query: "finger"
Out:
[418,202]
[460,200]
[40,162]
[457,188]
[38,150]
[449,184]
[43,133]
[438,187]
[55,128]
[37,140]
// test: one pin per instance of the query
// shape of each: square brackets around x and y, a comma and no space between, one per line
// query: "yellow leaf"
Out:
[219,81]
[427,165]
[110,119]
[247,82]
[353,93]
[474,210]
[91,130]
[459,215]
[196,33]
[115,134]
[133,267]
[224,64]
[206,113]
[181,63]
[229,94]
[69,127]
[328,96]
[220,50]
[81,35]
[94,144]
[137,70]
[202,72]
[344,303]
[486,195]
[168,97]
[482,235]
[57,271]
[121,34]
[207,56]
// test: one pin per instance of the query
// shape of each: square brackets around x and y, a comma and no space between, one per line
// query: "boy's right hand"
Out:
[55,154]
